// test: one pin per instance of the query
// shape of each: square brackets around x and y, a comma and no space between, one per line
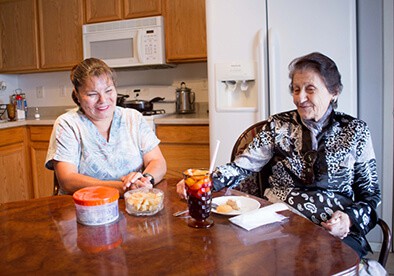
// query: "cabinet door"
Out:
[18,36]
[141,8]
[184,147]
[60,25]
[14,165]
[103,10]
[185,30]
[14,184]
[42,177]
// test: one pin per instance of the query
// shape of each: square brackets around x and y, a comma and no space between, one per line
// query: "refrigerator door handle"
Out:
[262,98]
[272,62]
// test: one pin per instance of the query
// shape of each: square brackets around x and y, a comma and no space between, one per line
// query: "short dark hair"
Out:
[321,64]
[90,67]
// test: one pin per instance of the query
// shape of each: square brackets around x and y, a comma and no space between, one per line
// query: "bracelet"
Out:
[152,179]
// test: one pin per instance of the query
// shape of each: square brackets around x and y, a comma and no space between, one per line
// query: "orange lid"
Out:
[95,195]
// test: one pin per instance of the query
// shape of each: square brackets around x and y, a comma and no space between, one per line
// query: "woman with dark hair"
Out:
[99,143]
[322,162]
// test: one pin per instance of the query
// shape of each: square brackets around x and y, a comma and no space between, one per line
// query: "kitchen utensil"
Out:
[185,99]
[142,105]
[180,213]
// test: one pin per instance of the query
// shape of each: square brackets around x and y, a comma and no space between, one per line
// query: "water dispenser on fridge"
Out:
[236,88]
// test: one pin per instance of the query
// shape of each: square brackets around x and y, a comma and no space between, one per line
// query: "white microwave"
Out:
[126,43]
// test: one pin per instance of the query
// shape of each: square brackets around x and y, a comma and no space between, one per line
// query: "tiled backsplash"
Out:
[57,88]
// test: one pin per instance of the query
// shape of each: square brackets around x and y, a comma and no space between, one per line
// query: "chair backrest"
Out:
[386,244]
[255,184]
[245,138]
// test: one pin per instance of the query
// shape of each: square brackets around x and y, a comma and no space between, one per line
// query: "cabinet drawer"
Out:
[40,133]
[179,134]
[10,136]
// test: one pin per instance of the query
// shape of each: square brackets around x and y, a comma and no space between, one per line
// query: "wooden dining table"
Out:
[42,237]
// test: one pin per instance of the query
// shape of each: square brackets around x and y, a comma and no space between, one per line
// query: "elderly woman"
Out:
[99,143]
[322,162]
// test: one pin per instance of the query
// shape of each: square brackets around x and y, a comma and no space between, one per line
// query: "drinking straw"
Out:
[215,153]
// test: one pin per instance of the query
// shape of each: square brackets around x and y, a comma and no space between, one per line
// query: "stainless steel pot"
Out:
[142,105]
[185,100]
[120,99]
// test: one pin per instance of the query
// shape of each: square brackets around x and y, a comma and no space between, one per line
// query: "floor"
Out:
[389,265]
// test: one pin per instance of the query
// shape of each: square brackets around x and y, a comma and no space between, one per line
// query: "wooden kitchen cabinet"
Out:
[18,36]
[183,147]
[103,10]
[142,8]
[42,177]
[185,30]
[109,10]
[15,181]
[40,35]
[60,28]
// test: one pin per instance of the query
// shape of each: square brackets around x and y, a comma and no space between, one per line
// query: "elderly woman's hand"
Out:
[180,189]
[135,180]
[338,225]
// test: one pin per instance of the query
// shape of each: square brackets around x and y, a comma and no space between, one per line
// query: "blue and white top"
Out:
[76,140]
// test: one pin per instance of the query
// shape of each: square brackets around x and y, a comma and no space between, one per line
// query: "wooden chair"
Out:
[55,185]
[386,243]
[262,182]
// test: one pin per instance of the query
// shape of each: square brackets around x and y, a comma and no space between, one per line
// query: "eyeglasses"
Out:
[310,159]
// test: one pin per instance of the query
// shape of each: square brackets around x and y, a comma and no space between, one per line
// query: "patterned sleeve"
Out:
[367,195]
[229,175]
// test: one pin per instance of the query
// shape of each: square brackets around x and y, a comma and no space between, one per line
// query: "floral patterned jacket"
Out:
[341,175]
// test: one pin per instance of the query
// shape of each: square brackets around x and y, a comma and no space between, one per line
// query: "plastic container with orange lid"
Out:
[96,205]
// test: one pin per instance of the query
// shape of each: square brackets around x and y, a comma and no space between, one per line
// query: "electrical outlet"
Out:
[40,92]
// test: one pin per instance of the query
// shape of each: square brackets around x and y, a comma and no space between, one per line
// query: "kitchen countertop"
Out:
[200,117]
[28,122]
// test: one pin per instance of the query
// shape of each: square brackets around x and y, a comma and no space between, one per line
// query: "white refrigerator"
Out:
[250,44]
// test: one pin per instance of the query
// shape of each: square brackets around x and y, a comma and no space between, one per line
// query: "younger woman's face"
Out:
[97,98]
[310,95]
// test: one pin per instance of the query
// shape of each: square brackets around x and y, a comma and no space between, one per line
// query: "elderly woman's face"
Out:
[310,95]
[98,98]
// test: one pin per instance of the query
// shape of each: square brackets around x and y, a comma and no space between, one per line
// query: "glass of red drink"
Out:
[198,186]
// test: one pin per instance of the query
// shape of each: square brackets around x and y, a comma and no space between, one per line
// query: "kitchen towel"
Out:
[259,217]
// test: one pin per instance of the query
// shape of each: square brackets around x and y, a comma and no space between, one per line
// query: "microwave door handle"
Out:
[138,46]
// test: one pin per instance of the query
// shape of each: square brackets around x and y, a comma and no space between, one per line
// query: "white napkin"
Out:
[259,217]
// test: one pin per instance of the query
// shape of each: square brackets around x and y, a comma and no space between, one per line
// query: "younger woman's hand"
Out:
[135,180]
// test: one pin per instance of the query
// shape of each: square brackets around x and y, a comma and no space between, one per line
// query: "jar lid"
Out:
[95,195]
